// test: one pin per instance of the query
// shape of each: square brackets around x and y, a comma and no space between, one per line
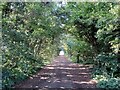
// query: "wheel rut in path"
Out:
[61,73]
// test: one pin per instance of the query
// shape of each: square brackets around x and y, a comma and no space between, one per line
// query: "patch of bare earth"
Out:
[61,74]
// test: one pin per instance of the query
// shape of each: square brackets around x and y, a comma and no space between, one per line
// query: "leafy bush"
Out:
[106,64]
[111,83]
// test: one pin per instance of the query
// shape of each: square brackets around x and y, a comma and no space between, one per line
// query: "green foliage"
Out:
[111,83]
[80,49]
[107,63]
[29,39]
[95,21]
[105,71]
[98,25]
[33,33]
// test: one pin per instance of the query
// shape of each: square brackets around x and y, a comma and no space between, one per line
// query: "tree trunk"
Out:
[78,55]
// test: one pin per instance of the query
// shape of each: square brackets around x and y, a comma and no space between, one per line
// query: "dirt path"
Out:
[61,74]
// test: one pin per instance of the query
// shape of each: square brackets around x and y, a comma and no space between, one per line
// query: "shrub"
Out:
[111,83]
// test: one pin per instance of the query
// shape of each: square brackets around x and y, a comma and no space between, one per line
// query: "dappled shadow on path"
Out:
[61,73]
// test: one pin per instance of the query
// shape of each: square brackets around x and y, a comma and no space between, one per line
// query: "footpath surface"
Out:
[61,74]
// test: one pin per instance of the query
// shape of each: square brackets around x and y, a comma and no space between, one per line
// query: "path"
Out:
[61,74]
